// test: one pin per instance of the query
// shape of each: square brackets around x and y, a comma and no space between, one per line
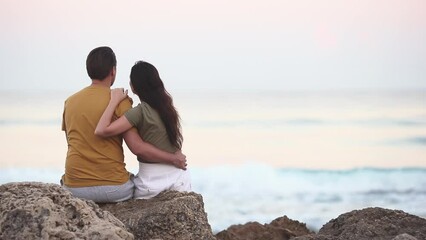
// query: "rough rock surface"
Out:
[372,223]
[281,228]
[404,236]
[31,210]
[169,215]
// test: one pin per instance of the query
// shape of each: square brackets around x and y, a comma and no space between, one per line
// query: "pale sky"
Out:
[196,44]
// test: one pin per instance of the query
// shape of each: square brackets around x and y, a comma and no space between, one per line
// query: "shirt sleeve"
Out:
[134,116]
[123,107]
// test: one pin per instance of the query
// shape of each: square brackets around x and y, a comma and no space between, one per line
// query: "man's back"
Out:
[92,160]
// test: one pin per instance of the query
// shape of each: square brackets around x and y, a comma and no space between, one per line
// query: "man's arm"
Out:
[147,151]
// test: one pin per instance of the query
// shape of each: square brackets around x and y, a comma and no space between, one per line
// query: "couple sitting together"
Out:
[97,119]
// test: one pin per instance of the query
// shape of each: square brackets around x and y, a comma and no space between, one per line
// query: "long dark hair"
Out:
[147,84]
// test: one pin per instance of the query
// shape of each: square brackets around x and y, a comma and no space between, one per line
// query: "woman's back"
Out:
[150,126]
[155,178]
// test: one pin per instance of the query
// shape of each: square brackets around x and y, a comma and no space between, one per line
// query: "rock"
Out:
[404,236]
[315,237]
[169,215]
[369,223]
[372,223]
[47,211]
[281,228]
[31,210]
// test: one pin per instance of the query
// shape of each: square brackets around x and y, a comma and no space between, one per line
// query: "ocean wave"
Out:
[256,192]
[384,192]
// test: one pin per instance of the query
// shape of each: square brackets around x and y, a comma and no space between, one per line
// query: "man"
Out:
[95,167]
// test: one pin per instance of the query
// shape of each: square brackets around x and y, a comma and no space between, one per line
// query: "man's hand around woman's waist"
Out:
[180,160]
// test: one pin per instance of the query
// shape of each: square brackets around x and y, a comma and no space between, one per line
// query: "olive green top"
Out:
[150,126]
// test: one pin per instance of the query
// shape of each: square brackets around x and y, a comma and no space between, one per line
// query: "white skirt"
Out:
[154,178]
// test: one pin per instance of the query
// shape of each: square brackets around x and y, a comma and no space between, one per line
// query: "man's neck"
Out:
[101,83]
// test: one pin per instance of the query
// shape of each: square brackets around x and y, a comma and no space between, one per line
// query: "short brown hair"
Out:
[99,62]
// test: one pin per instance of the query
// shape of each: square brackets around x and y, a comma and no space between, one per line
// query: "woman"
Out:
[157,122]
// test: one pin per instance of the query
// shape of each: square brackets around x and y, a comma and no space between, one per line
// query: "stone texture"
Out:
[372,223]
[169,215]
[31,210]
[281,228]
[316,237]
[368,223]
[404,236]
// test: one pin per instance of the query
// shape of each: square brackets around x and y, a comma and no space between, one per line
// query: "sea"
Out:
[261,154]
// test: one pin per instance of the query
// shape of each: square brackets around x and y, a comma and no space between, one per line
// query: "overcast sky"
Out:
[198,44]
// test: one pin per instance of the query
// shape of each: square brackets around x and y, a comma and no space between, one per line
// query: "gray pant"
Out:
[104,194]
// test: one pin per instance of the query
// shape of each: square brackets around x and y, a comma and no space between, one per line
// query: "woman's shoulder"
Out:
[146,108]
[141,106]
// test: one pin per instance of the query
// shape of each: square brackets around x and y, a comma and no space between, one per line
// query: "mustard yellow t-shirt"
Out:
[92,160]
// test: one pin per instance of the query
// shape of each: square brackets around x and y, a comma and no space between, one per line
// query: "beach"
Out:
[255,156]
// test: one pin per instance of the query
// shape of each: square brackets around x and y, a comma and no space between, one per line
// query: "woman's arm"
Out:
[136,145]
[107,129]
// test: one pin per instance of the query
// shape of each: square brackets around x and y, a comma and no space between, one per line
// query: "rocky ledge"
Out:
[169,215]
[30,210]
[372,223]
[366,224]
[47,211]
